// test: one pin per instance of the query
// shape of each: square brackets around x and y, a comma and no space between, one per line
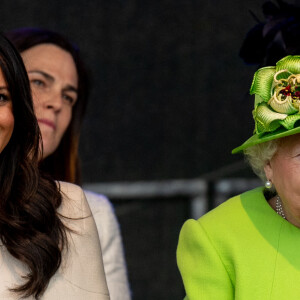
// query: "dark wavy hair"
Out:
[30,227]
[275,37]
[63,164]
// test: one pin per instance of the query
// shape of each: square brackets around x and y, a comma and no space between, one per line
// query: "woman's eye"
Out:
[69,99]
[37,82]
[4,98]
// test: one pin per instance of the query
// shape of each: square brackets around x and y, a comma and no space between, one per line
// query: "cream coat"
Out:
[81,275]
[111,246]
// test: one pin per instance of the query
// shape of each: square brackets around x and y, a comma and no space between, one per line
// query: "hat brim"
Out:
[255,139]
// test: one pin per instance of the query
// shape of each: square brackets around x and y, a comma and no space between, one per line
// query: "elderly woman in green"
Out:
[249,247]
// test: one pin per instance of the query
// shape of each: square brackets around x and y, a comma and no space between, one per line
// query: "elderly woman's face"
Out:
[284,172]
[53,79]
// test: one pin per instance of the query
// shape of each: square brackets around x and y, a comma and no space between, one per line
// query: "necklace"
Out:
[279,208]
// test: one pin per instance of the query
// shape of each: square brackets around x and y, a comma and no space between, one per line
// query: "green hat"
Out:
[277,102]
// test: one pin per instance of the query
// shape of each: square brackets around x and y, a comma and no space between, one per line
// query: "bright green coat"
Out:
[241,250]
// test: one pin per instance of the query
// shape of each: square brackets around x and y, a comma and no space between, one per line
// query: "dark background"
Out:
[169,101]
[168,84]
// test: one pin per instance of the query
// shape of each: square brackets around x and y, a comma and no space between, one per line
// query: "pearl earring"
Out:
[268,184]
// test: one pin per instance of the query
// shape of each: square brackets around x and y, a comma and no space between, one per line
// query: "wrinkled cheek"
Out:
[288,185]
[293,177]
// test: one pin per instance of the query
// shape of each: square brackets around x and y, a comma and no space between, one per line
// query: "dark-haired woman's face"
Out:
[6,114]
[54,81]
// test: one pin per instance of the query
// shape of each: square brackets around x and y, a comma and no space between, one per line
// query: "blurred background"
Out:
[169,102]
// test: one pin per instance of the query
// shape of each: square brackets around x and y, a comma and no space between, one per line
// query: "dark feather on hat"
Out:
[275,37]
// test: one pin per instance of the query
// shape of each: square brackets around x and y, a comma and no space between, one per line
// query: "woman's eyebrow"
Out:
[3,88]
[46,75]
[52,79]
[71,88]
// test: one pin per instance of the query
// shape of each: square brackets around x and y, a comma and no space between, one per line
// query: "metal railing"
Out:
[203,194]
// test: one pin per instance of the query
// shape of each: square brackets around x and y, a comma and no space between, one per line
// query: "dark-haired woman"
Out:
[49,247]
[59,87]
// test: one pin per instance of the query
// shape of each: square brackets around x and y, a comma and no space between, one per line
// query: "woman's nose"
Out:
[53,101]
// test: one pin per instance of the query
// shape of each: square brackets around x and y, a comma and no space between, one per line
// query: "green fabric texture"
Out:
[277,101]
[241,250]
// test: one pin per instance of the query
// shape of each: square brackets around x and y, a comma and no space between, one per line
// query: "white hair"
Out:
[259,155]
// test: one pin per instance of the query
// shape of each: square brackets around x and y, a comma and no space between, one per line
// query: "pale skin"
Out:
[283,170]
[6,114]
[54,81]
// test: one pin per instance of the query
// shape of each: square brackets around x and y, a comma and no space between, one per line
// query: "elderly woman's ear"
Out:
[268,171]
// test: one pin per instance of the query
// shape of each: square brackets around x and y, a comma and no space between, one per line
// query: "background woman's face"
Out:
[6,114]
[53,79]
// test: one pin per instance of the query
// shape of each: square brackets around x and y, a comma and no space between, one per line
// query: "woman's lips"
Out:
[47,122]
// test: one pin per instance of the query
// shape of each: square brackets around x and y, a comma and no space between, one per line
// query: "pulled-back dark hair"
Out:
[63,164]
[30,227]
[275,37]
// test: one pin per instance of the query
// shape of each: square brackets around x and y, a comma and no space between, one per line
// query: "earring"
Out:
[268,184]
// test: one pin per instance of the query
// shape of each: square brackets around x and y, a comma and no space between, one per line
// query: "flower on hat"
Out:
[277,95]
